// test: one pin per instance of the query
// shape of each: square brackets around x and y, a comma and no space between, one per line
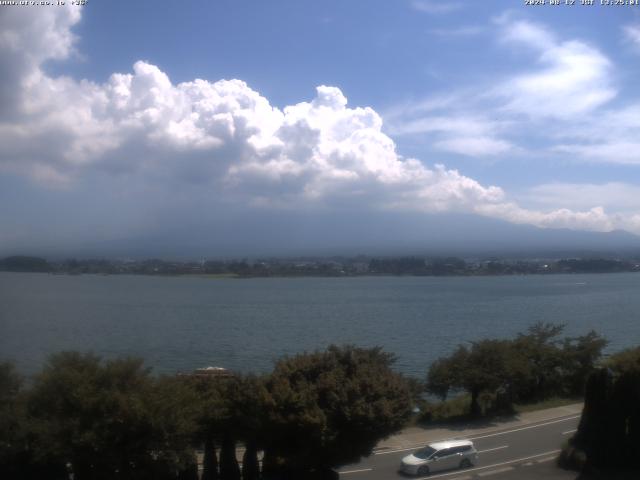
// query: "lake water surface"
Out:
[181,323]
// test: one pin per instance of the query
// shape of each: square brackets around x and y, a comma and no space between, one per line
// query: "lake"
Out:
[182,323]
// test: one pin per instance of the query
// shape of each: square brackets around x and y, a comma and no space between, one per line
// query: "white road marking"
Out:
[356,471]
[548,459]
[495,472]
[517,460]
[525,428]
[401,449]
[492,449]
[415,447]
[570,431]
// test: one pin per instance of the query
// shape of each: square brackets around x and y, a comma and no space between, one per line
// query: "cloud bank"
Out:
[226,137]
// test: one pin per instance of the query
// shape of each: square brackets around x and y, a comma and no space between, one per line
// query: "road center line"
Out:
[546,459]
[492,449]
[517,460]
[356,471]
[525,428]
[415,447]
[495,472]
[401,449]
[569,431]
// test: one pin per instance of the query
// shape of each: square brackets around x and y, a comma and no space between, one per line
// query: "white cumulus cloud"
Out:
[226,136]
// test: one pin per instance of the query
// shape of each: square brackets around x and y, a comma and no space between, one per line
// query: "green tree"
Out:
[609,429]
[446,373]
[332,407]
[485,367]
[173,408]
[229,418]
[229,468]
[252,403]
[210,460]
[228,414]
[579,359]
[17,458]
[10,386]
[211,409]
[540,346]
[627,360]
[534,365]
[110,419]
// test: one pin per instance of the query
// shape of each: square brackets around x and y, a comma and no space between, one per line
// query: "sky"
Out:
[214,123]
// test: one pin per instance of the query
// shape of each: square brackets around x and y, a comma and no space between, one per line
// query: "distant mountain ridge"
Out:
[349,233]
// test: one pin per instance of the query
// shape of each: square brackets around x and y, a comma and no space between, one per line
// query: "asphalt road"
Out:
[518,452]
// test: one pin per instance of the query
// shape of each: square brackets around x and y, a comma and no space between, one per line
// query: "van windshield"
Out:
[424,453]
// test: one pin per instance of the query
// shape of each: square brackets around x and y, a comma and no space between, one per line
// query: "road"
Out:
[527,451]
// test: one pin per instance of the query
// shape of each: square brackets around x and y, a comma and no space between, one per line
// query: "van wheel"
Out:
[423,470]
[465,463]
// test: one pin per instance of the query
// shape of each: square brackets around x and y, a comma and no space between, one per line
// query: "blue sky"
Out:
[127,118]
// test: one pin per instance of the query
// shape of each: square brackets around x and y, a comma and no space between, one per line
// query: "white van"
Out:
[440,456]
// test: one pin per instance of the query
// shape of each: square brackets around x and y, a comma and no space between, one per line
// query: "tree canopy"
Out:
[112,419]
[627,360]
[537,364]
[609,429]
[109,419]
[332,407]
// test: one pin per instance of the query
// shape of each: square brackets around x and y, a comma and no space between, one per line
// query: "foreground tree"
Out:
[609,431]
[110,419]
[229,467]
[252,403]
[627,360]
[211,408]
[173,408]
[332,407]
[10,385]
[17,457]
[231,409]
[580,356]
